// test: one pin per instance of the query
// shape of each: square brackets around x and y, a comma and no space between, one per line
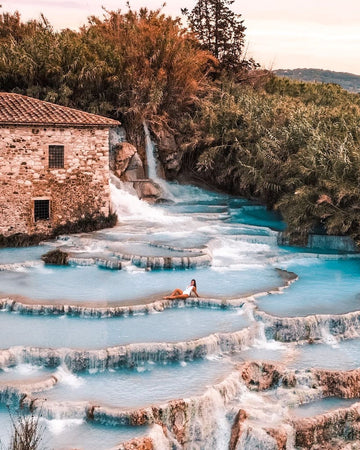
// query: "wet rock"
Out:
[280,436]
[135,169]
[175,417]
[57,257]
[322,429]
[169,152]
[256,438]
[105,262]
[338,383]
[162,262]
[237,428]
[130,355]
[147,190]
[289,380]
[156,439]
[140,417]
[260,375]
[144,443]
[310,328]
[126,163]
[122,154]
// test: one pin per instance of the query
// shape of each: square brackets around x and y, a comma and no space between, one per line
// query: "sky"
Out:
[280,34]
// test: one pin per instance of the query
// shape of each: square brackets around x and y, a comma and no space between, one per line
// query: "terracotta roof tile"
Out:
[16,109]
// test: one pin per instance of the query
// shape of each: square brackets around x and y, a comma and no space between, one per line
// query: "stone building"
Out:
[54,165]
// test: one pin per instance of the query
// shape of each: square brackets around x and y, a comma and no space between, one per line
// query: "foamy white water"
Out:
[128,207]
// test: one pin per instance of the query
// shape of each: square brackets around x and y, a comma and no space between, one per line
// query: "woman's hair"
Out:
[194,282]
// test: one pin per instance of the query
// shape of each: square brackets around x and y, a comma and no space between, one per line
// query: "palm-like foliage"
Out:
[292,148]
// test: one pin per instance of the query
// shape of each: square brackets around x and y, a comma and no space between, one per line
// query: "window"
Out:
[56,156]
[41,210]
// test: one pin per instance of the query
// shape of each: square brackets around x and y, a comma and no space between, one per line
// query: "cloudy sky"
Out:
[322,34]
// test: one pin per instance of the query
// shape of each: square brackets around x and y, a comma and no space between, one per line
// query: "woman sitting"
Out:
[178,293]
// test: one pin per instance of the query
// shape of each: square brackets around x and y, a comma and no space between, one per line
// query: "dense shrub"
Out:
[131,65]
[293,145]
[57,257]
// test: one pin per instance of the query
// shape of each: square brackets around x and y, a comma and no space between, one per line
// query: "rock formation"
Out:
[313,432]
[169,153]
[147,189]
[144,443]
[57,257]
[126,162]
[260,376]
[237,428]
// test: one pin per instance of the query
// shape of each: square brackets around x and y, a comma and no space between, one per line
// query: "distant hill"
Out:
[348,81]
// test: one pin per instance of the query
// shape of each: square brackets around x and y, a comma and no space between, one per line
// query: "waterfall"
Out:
[150,154]
[129,207]
[327,337]
[152,164]
[127,356]
[261,341]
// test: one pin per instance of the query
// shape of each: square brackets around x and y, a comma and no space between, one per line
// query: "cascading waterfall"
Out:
[152,165]
[129,207]
[150,156]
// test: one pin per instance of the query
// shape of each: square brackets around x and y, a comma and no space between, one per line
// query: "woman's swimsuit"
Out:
[188,290]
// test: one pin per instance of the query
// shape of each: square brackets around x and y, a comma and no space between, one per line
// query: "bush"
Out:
[57,257]
[294,146]
[85,225]
[26,432]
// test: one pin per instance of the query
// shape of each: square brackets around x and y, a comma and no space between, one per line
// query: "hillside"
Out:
[348,81]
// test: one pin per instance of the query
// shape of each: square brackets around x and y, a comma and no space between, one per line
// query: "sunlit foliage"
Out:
[132,65]
[293,145]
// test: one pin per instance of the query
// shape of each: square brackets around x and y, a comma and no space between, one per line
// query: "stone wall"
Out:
[78,189]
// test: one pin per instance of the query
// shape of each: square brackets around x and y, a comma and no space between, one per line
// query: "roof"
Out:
[16,109]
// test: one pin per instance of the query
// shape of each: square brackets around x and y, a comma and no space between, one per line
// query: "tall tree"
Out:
[132,65]
[220,31]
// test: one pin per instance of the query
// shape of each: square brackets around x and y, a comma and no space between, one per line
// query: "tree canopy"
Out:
[293,145]
[131,65]
[221,32]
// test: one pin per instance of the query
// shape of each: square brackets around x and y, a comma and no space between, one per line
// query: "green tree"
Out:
[134,66]
[220,31]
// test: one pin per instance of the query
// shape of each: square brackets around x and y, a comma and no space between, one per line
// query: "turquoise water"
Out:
[241,241]
[17,255]
[61,434]
[322,406]
[257,215]
[344,355]
[149,384]
[93,284]
[171,325]
[324,287]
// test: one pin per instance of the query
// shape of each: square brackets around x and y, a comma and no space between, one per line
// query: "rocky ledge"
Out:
[336,429]
[310,328]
